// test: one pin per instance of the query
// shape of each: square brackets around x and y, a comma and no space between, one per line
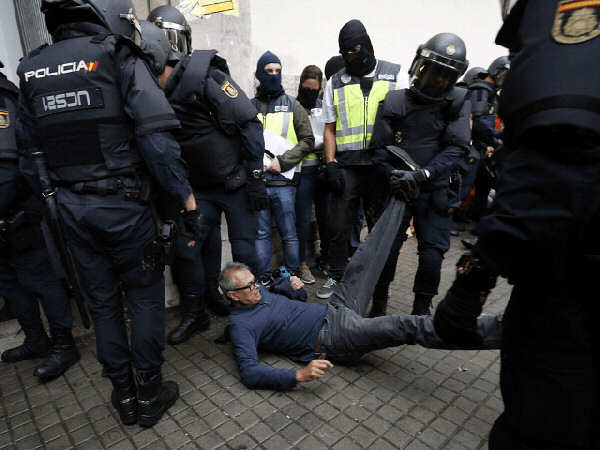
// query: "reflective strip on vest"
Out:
[351,123]
[311,159]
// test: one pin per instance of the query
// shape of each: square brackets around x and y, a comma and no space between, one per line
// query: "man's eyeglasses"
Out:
[252,285]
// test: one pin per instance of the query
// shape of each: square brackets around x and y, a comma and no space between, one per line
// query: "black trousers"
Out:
[241,226]
[542,234]
[108,236]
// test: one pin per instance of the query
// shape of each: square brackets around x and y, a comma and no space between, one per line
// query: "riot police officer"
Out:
[90,103]
[542,232]
[486,138]
[25,271]
[222,142]
[430,121]
[192,263]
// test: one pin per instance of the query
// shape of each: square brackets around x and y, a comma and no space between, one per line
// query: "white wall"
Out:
[306,32]
[10,42]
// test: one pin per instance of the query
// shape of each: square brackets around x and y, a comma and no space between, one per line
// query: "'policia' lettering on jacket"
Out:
[212,109]
[74,91]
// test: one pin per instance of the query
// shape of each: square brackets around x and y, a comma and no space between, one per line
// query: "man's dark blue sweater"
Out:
[277,325]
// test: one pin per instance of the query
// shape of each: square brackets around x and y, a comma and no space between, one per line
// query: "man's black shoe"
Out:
[193,319]
[154,396]
[215,300]
[36,345]
[124,398]
[63,355]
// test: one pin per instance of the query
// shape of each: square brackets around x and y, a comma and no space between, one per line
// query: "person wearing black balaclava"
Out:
[309,189]
[350,104]
[284,116]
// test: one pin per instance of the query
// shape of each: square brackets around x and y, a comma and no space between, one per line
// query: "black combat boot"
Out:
[124,398]
[193,319]
[215,300]
[422,305]
[63,355]
[154,396]
[36,344]
[380,301]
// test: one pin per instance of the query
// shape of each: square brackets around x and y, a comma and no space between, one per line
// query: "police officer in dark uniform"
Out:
[486,138]
[188,266]
[90,103]
[430,121]
[222,142]
[542,232]
[24,266]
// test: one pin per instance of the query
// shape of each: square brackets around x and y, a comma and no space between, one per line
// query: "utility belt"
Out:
[281,181]
[132,188]
[21,232]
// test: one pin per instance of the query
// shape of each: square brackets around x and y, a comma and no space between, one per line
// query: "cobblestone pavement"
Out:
[404,397]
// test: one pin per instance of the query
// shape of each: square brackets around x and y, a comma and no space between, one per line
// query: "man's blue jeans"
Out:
[282,210]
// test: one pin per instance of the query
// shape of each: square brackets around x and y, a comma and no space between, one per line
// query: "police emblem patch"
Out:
[346,78]
[576,21]
[4,119]
[229,90]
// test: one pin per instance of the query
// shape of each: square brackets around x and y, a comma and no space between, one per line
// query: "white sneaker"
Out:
[327,289]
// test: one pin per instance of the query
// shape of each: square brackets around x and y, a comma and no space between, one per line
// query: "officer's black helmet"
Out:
[114,15]
[474,74]
[437,66]
[155,45]
[498,69]
[1,65]
[175,27]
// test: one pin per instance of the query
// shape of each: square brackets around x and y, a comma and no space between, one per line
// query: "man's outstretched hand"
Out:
[313,371]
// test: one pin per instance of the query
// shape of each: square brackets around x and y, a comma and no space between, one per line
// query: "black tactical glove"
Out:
[196,224]
[456,316]
[335,178]
[405,184]
[257,194]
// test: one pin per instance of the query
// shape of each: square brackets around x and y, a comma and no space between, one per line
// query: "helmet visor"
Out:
[178,40]
[433,80]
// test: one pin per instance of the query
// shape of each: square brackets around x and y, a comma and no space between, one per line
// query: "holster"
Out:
[235,179]
[20,233]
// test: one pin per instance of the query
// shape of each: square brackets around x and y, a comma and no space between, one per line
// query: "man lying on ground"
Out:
[305,332]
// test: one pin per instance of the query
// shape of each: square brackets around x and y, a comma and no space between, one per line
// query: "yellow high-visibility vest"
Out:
[356,113]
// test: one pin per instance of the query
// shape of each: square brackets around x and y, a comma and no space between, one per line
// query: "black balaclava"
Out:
[269,84]
[308,97]
[363,62]
[333,65]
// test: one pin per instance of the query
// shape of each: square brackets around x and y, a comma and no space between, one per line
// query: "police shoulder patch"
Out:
[576,21]
[4,119]
[229,90]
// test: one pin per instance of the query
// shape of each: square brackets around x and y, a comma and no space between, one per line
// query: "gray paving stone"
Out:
[402,397]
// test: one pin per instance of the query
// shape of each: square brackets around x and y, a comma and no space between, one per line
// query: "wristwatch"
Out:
[256,173]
